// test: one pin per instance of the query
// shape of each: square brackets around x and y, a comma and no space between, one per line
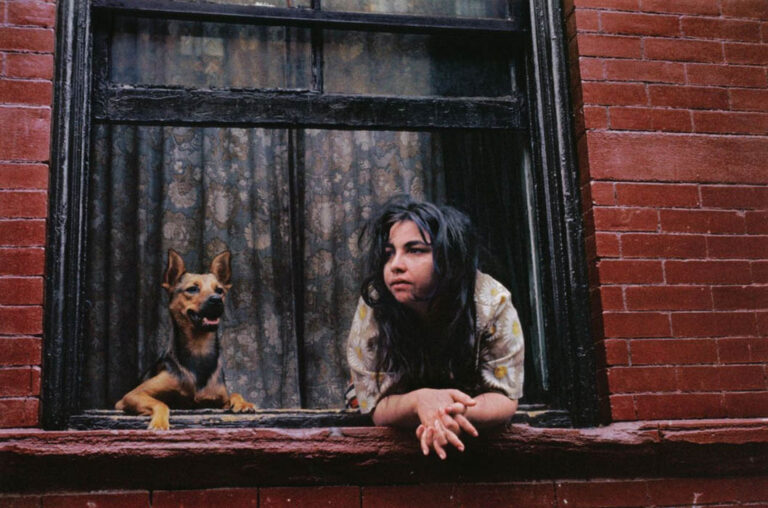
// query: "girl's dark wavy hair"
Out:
[439,354]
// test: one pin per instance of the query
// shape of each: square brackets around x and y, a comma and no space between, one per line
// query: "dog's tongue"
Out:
[209,322]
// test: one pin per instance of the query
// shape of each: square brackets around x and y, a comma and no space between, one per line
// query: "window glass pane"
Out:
[413,64]
[465,8]
[215,55]
[202,190]
[262,3]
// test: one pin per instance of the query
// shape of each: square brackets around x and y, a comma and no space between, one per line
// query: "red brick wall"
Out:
[26,71]
[571,493]
[672,127]
[672,120]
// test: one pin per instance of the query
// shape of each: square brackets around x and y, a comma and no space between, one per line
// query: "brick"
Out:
[742,350]
[647,71]
[22,233]
[698,379]
[24,133]
[673,351]
[22,261]
[753,9]
[17,91]
[718,28]
[627,5]
[744,53]
[622,407]
[30,13]
[705,491]
[19,381]
[730,123]
[702,221]
[534,494]
[23,176]
[625,23]
[706,7]
[614,93]
[587,20]
[607,245]
[611,298]
[29,65]
[21,290]
[726,75]
[233,498]
[636,245]
[591,68]
[620,271]
[664,157]
[760,272]
[668,298]
[762,322]
[740,297]
[757,222]
[660,195]
[707,272]
[27,39]
[27,204]
[602,193]
[649,119]
[737,247]
[616,352]
[713,324]
[641,379]
[595,117]
[626,219]
[734,197]
[746,405]
[21,320]
[19,412]
[429,496]
[679,405]
[742,377]
[692,97]
[601,493]
[683,50]
[636,324]
[749,100]
[609,46]
[20,351]
[129,499]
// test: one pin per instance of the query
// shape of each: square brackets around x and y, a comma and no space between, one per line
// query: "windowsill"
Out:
[38,460]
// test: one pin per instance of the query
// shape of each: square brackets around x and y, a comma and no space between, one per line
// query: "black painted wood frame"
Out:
[556,184]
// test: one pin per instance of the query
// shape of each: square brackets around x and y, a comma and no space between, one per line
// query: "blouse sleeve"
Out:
[502,350]
[361,357]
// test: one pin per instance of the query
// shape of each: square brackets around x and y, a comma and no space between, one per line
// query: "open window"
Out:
[274,129]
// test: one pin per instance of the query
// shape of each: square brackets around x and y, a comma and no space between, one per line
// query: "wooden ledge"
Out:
[37,460]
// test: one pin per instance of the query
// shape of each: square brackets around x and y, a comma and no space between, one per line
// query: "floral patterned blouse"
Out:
[500,356]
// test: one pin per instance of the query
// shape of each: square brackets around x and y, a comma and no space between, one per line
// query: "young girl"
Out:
[435,344]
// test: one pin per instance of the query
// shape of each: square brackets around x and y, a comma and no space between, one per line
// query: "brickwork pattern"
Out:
[26,72]
[672,119]
[565,493]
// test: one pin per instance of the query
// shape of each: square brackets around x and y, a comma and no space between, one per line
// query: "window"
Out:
[274,131]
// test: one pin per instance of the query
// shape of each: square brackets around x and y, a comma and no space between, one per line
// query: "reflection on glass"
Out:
[261,3]
[209,55]
[415,64]
[452,8]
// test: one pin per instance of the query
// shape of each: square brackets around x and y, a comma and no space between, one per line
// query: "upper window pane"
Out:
[453,8]
[209,55]
[378,63]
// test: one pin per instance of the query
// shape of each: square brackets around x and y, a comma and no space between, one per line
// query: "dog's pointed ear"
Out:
[220,267]
[174,271]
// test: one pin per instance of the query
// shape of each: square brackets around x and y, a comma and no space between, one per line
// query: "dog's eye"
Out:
[220,291]
[192,289]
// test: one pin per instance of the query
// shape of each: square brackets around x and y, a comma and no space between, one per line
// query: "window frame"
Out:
[560,232]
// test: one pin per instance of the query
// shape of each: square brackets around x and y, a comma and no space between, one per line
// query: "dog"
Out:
[189,374]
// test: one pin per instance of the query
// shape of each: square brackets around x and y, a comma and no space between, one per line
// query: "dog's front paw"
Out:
[160,419]
[237,404]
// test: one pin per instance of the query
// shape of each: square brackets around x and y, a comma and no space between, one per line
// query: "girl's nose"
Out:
[397,264]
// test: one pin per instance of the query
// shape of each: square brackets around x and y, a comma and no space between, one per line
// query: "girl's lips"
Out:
[399,284]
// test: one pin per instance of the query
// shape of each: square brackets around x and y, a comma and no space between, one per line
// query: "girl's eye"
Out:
[219,291]
[192,289]
[388,253]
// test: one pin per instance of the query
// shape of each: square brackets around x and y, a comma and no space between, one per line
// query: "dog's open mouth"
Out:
[204,322]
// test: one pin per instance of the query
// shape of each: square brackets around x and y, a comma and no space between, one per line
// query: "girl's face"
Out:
[409,272]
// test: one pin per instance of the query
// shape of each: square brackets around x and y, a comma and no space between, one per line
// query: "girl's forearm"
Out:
[491,409]
[397,410]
